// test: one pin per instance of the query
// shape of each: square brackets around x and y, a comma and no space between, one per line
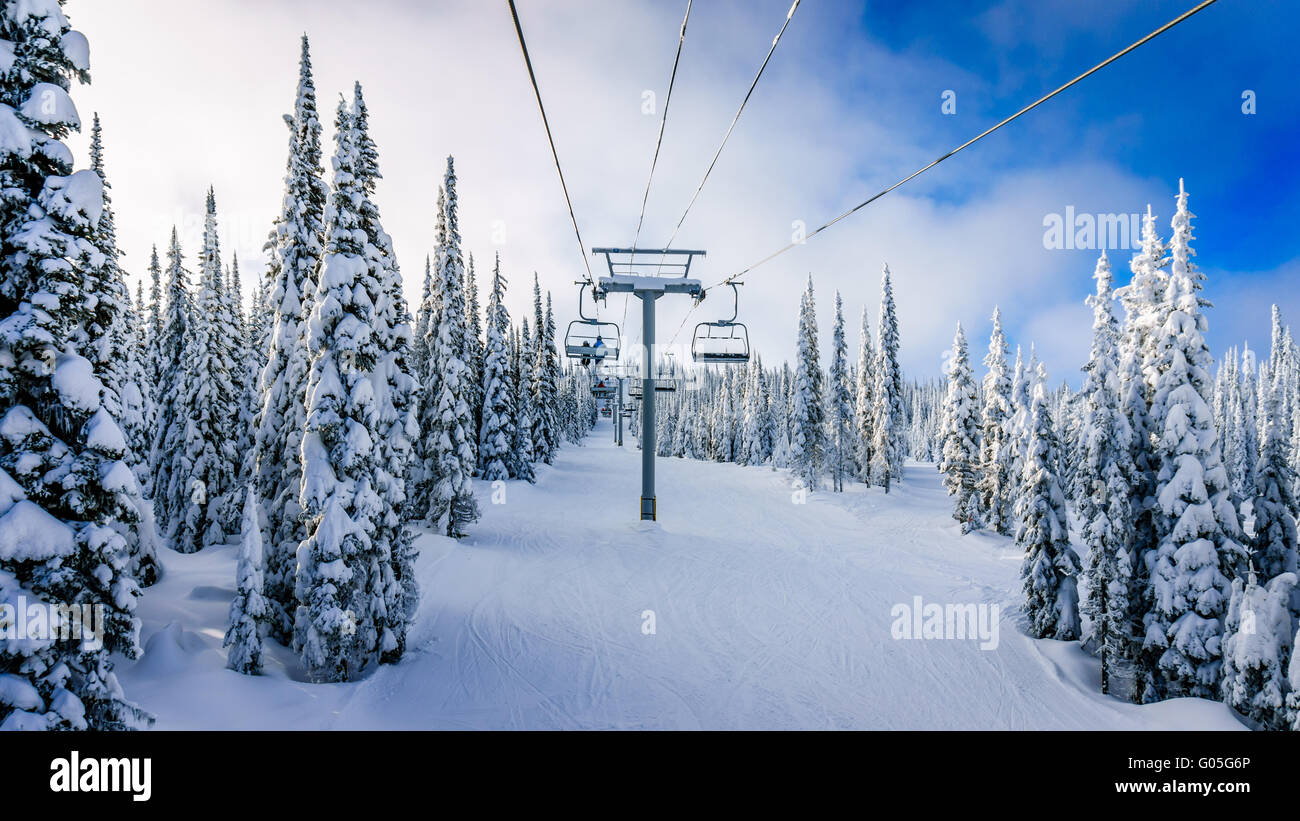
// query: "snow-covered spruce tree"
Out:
[865,400]
[341,600]
[154,366]
[249,611]
[888,420]
[807,422]
[995,487]
[450,460]
[840,401]
[169,356]
[543,432]
[1274,547]
[960,464]
[294,251]
[757,421]
[204,464]
[1242,436]
[1106,476]
[473,353]
[396,411]
[521,454]
[419,347]
[1141,299]
[1257,649]
[1199,549]
[496,435]
[1050,570]
[551,377]
[111,337]
[68,496]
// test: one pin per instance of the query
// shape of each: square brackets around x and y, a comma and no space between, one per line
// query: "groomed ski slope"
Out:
[768,615]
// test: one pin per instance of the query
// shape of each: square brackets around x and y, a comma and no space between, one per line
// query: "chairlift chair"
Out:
[723,341]
[590,340]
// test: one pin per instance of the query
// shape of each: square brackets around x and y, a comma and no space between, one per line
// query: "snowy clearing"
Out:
[767,614]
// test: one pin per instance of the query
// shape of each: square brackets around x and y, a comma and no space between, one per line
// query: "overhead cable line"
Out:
[777,39]
[672,79]
[554,154]
[1117,55]
[973,140]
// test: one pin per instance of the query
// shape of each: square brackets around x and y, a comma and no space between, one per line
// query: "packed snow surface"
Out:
[766,614]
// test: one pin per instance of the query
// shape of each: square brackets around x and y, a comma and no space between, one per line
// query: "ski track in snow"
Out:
[769,614]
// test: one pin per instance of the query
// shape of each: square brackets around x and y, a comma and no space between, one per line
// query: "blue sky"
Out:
[850,103]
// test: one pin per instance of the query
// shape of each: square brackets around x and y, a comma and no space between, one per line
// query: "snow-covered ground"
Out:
[766,614]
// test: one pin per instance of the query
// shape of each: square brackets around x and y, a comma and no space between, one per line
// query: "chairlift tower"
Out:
[624,278]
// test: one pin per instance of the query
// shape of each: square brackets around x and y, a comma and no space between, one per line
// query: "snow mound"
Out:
[28,533]
[172,650]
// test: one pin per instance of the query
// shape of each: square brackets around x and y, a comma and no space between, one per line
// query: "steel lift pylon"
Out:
[624,279]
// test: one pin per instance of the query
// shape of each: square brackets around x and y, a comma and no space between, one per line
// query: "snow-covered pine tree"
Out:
[396,410]
[1106,476]
[995,486]
[840,401]
[341,598]
[521,452]
[543,432]
[497,433]
[1050,570]
[888,420]
[473,353]
[961,436]
[1257,649]
[204,464]
[294,247]
[111,336]
[758,420]
[249,611]
[1199,549]
[419,346]
[1141,299]
[450,456]
[154,365]
[67,494]
[169,350]
[1274,547]
[1242,441]
[866,404]
[551,379]
[807,423]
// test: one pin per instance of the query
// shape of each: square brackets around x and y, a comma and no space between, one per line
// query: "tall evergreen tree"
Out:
[496,434]
[1050,569]
[887,449]
[295,248]
[473,352]
[204,463]
[68,495]
[521,461]
[840,400]
[995,486]
[1199,549]
[169,355]
[392,574]
[1106,478]
[1274,549]
[807,423]
[450,461]
[866,403]
[960,432]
